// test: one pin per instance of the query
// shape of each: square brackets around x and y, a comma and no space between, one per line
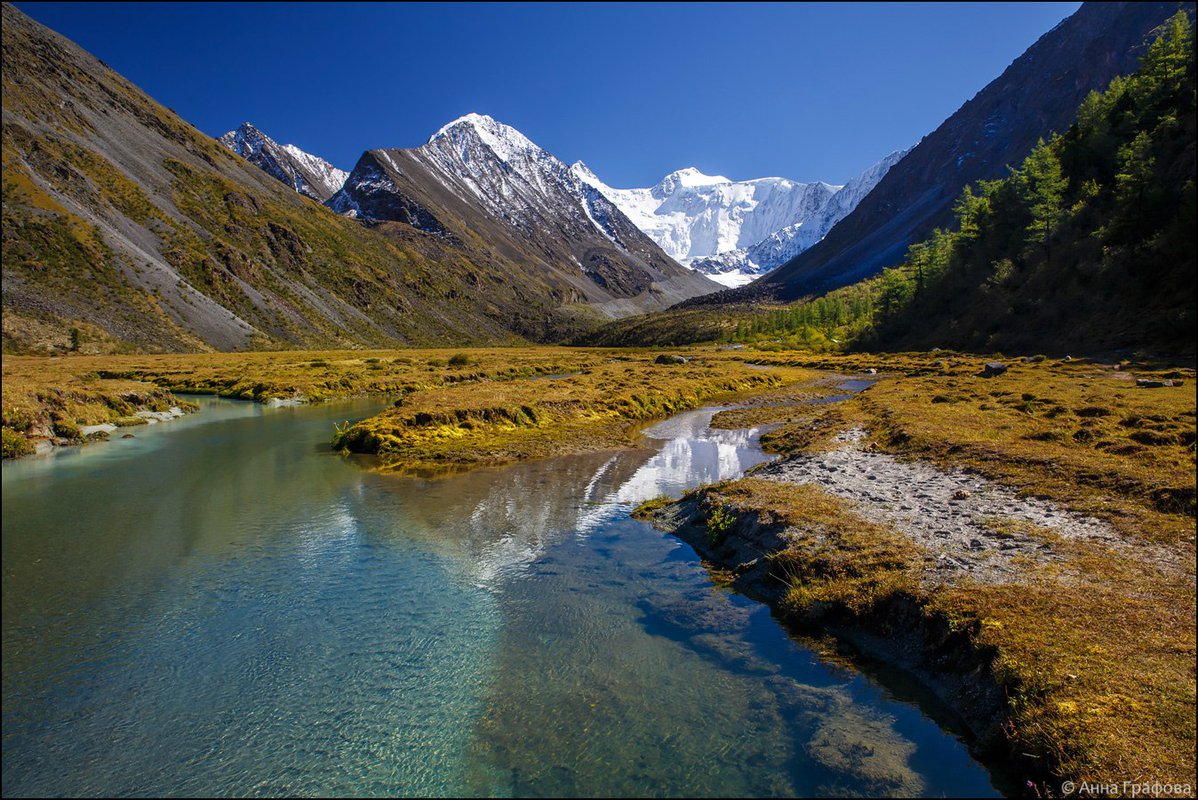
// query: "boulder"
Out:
[993,368]
[665,358]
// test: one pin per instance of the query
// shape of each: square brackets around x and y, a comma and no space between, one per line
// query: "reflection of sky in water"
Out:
[691,453]
[233,609]
[529,507]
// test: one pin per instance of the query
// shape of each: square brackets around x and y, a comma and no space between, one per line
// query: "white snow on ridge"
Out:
[330,178]
[305,173]
[504,140]
[735,230]
[733,278]
[515,179]
[732,231]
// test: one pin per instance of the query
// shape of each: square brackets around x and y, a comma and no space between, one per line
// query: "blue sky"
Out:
[808,91]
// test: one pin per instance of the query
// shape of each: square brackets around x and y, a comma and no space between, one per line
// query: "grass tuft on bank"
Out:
[600,407]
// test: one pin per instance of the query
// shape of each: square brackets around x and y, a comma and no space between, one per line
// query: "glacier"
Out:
[734,231]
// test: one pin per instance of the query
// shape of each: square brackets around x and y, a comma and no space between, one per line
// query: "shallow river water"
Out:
[222,605]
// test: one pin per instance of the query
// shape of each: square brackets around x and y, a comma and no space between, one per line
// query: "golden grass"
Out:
[584,412]
[1081,433]
[785,404]
[47,401]
[599,408]
[1096,656]
[1095,653]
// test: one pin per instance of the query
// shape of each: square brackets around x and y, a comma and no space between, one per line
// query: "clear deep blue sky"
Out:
[806,91]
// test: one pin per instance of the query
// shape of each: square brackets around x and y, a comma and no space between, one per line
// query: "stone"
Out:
[665,358]
[993,368]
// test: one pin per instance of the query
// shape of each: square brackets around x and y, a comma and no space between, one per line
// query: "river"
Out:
[224,606]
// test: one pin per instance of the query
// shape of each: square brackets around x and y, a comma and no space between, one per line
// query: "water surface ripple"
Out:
[223,606]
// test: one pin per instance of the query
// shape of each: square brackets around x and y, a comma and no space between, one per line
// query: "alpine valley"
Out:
[463,472]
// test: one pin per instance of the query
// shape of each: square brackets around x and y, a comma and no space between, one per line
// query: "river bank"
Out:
[452,407]
[1037,516]
[244,611]
[1042,585]
[46,399]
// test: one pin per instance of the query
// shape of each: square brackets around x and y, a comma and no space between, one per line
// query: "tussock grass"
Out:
[595,408]
[1078,432]
[1095,656]
[1095,652]
[600,408]
[50,398]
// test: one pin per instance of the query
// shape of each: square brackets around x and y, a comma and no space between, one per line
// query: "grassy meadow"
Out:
[1094,649]
[451,406]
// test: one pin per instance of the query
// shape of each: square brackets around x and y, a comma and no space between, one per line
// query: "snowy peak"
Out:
[736,230]
[480,176]
[246,140]
[584,174]
[305,173]
[504,141]
[686,178]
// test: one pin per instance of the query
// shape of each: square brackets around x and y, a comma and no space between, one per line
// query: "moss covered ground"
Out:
[453,406]
[1094,648]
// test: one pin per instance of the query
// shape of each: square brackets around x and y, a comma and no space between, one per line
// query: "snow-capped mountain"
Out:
[736,230]
[742,265]
[308,174]
[478,178]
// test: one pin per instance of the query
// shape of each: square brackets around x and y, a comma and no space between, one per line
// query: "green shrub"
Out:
[719,525]
[14,444]
[67,429]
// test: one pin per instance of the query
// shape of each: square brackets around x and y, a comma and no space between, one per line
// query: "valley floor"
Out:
[1023,541]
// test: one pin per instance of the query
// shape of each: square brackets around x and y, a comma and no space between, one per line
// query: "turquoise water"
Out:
[221,605]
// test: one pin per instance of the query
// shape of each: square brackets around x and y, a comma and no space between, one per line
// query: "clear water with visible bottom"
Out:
[223,606]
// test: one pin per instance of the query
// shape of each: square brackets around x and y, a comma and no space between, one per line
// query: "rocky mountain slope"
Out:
[125,228]
[736,230]
[483,184]
[1037,94]
[309,175]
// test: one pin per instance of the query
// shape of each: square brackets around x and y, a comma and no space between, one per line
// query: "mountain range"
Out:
[309,175]
[479,180]
[731,231]
[735,231]
[126,228]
